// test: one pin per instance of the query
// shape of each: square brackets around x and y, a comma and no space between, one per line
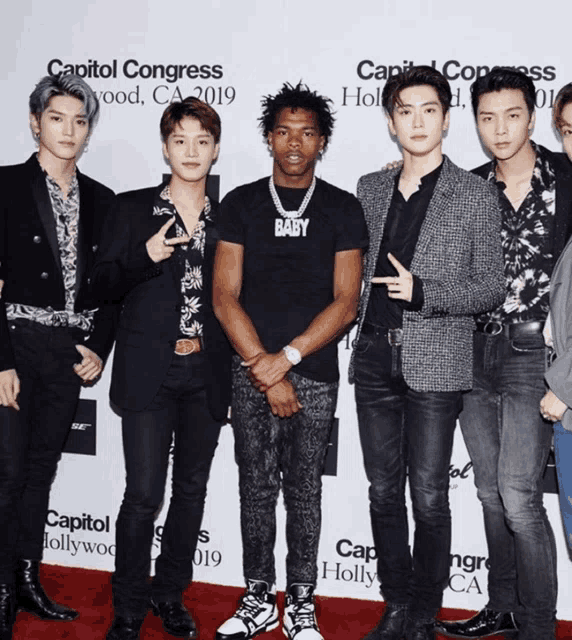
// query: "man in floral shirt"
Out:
[171,370]
[507,438]
[52,336]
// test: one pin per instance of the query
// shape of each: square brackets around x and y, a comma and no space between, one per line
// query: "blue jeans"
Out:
[563,456]
[402,432]
[509,443]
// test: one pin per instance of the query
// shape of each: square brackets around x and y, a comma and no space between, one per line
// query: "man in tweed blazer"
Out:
[435,250]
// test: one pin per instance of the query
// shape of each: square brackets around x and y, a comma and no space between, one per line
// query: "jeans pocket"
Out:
[527,344]
[363,344]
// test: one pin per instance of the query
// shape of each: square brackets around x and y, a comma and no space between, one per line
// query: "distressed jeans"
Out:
[509,443]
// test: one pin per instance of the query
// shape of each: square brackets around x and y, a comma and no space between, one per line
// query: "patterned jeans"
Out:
[270,450]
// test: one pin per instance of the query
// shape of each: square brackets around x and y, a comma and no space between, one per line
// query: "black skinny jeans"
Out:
[179,409]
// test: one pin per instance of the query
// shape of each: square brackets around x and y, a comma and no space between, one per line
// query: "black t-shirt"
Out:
[288,266]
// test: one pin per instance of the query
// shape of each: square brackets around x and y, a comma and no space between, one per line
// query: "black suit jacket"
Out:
[151,299]
[563,213]
[29,254]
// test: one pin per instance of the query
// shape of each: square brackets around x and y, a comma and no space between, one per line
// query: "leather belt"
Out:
[394,336]
[186,346]
[511,331]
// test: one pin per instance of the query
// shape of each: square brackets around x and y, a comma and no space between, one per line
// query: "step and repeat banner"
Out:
[139,55]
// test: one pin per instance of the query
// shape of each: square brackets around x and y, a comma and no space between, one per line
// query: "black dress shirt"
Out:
[400,234]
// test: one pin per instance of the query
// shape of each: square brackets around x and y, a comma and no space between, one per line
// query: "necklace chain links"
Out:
[291,215]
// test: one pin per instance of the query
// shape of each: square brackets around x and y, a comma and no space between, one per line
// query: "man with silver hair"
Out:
[52,337]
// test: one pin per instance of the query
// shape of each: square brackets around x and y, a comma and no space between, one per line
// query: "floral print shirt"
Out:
[527,247]
[190,260]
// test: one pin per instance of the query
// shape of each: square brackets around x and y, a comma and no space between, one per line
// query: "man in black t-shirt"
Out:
[287,276]
[435,247]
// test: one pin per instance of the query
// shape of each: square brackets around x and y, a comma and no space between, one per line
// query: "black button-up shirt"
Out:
[400,235]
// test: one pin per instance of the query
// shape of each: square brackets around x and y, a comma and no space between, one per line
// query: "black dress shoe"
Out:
[7,611]
[421,630]
[391,625]
[176,619]
[486,623]
[31,597]
[124,628]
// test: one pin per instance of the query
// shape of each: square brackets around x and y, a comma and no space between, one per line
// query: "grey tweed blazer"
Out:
[460,262]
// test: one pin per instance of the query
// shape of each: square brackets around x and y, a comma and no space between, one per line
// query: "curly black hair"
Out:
[298,97]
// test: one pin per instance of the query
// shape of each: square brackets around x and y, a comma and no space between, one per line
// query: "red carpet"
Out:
[90,593]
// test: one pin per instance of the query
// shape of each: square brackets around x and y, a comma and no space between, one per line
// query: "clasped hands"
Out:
[267,373]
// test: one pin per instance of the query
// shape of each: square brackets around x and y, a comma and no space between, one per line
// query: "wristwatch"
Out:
[292,355]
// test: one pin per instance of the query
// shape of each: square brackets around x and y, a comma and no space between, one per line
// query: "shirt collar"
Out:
[428,181]
[543,177]
[52,181]
[166,195]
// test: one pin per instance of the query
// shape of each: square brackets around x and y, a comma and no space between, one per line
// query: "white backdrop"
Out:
[232,52]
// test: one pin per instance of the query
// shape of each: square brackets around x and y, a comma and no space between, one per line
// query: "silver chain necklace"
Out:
[292,215]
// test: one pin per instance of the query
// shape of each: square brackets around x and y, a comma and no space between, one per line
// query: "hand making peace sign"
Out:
[399,286]
[160,248]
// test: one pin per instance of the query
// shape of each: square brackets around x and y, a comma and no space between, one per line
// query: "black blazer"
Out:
[29,254]
[563,213]
[150,296]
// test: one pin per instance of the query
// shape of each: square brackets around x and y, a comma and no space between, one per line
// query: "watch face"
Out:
[292,354]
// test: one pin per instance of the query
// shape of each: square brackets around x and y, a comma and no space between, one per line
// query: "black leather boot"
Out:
[124,628]
[7,611]
[31,597]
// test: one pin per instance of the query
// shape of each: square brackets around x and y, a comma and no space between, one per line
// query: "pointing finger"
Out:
[178,240]
[401,270]
[167,224]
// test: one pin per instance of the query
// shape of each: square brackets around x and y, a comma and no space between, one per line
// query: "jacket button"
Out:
[37,239]
[44,275]
[178,308]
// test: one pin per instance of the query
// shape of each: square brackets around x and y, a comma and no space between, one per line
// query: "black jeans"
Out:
[271,451]
[179,408]
[403,432]
[32,439]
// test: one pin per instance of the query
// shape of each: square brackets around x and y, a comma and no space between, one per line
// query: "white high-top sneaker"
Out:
[300,614]
[256,613]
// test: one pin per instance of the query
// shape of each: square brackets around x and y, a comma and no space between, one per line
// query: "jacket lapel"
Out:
[44,208]
[438,204]
[85,226]
[562,217]
[379,216]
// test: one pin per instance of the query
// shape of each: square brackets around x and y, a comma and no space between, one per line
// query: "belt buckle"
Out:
[395,337]
[186,346]
[60,319]
[495,327]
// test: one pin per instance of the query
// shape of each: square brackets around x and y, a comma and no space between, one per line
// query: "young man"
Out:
[287,278]
[51,338]
[434,259]
[506,437]
[171,369]
[557,400]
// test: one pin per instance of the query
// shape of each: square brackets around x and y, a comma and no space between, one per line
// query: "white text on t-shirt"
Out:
[293,228]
